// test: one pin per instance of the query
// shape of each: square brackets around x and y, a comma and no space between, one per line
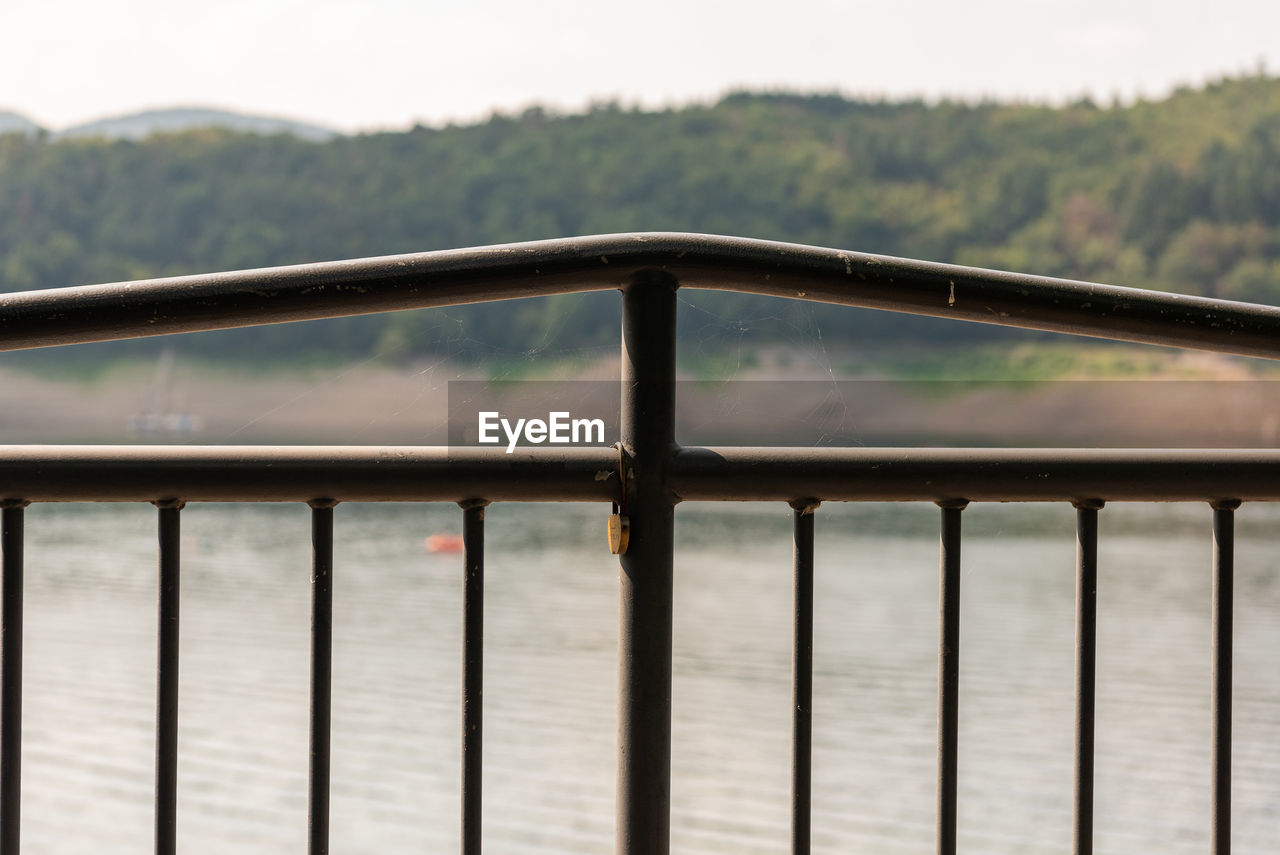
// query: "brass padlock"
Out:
[619,524]
[619,531]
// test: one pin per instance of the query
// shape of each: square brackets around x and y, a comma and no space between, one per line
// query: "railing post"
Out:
[949,675]
[1220,709]
[644,581]
[168,611]
[1086,671]
[473,511]
[11,674]
[321,675]
[802,679]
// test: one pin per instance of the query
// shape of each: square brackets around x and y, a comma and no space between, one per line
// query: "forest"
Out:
[1179,194]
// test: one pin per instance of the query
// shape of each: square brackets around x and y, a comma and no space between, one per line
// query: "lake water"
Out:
[550,680]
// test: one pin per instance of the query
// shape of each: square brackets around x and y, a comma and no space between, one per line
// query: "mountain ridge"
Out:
[143,124]
[16,123]
[147,123]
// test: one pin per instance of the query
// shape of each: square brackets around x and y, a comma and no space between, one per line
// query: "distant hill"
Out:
[137,126]
[1181,194]
[12,123]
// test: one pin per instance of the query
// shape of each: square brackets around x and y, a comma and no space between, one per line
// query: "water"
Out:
[550,680]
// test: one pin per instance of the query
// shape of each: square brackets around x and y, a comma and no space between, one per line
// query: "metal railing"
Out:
[658,474]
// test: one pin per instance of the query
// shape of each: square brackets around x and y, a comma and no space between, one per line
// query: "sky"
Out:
[386,64]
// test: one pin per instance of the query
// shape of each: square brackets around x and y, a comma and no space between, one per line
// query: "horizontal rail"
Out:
[978,475]
[130,473]
[120,473]
[333,289]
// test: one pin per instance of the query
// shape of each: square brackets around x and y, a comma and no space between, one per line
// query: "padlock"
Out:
[619,531]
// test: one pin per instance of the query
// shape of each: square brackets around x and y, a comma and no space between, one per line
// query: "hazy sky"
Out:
[387,63]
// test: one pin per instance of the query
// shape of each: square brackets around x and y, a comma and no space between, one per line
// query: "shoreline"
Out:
[1193,401]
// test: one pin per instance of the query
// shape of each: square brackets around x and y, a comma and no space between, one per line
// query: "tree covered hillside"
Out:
[1181,194]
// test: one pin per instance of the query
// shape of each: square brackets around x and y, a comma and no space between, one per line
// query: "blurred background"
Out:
[1132,143]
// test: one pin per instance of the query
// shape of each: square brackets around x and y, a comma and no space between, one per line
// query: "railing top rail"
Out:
[453,277]
[148,473]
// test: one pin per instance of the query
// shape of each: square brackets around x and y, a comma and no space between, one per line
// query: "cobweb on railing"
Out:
[747,365]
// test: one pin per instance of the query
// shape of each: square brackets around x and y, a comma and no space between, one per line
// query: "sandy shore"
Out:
[376,404]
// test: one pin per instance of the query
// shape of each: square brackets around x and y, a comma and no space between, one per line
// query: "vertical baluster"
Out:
[1086,658]
[473,513]
[802,679]
[948,674]
[169,531]
[1220,713]
[321,675]
[11,674]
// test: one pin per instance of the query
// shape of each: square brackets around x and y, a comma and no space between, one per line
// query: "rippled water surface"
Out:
[550,680]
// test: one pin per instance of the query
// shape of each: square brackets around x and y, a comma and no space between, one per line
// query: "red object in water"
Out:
[443,543]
